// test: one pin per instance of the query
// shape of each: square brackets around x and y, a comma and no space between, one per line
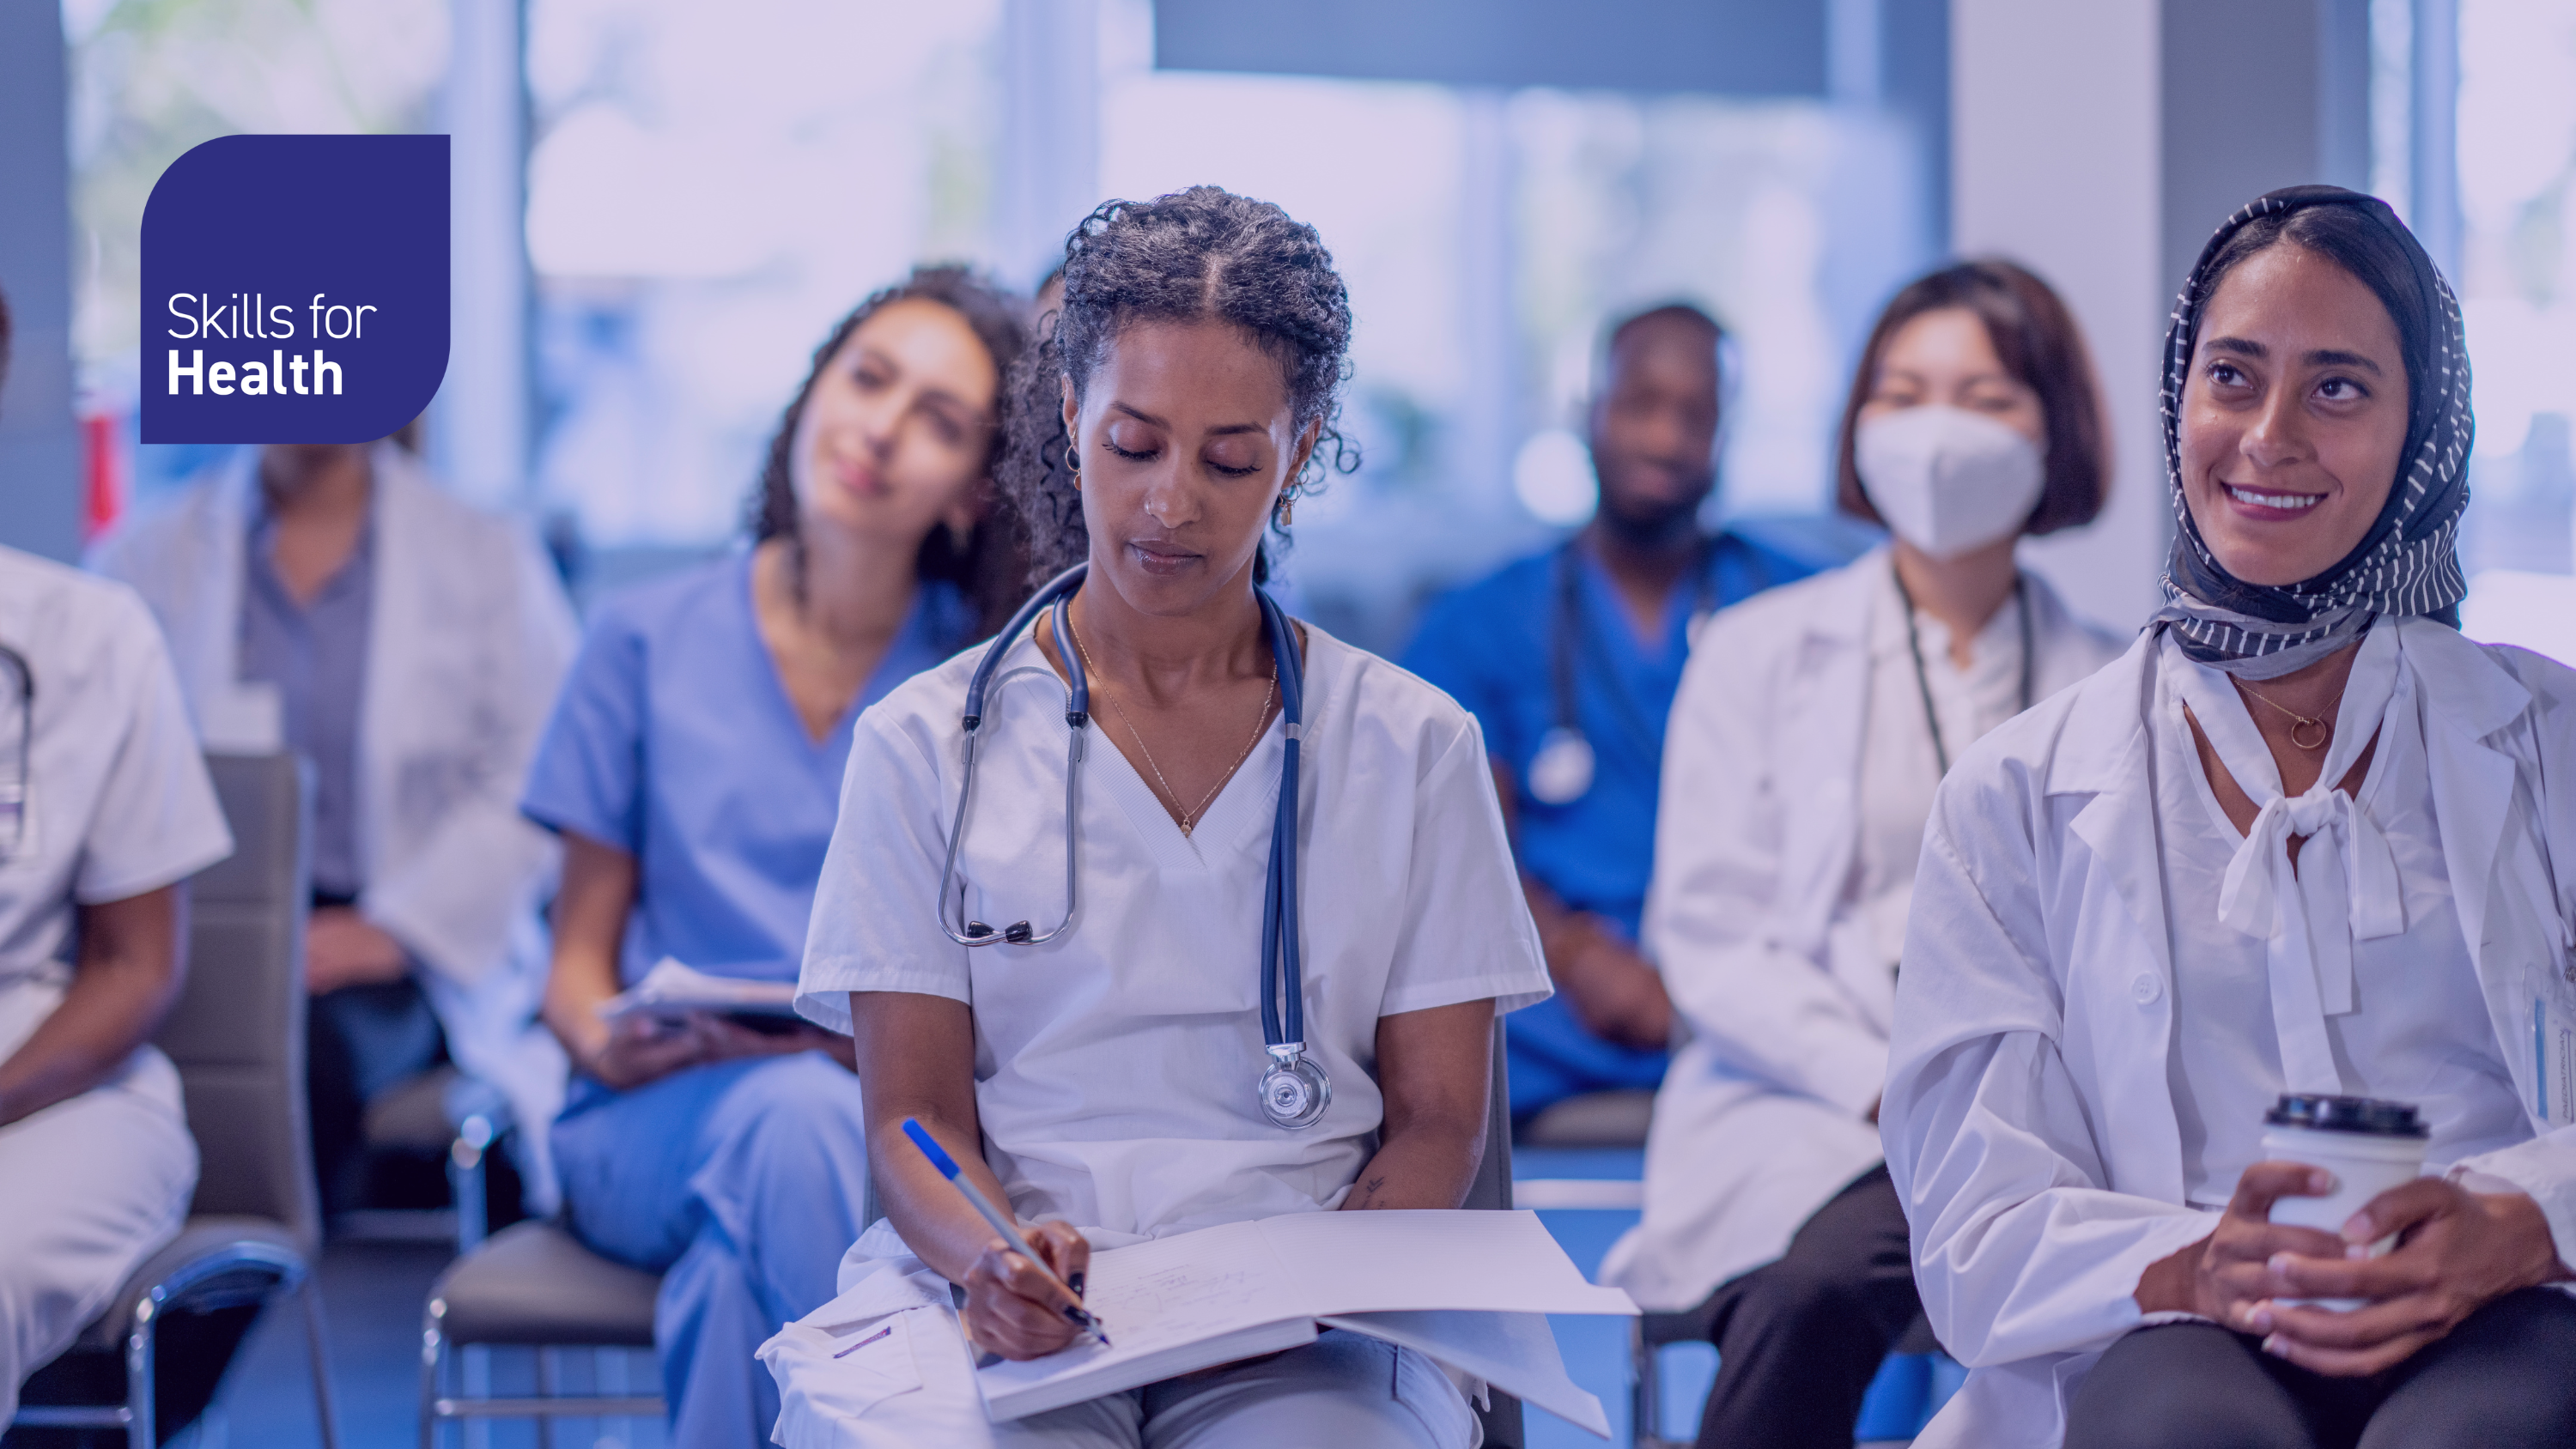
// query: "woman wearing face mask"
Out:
[1812,724]
[2302,838]
[691,768]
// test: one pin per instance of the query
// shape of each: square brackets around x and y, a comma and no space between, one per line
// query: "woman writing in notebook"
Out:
[1114,1078]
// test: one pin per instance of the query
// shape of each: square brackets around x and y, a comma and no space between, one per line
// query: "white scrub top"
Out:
[1115,1066]
[118,801]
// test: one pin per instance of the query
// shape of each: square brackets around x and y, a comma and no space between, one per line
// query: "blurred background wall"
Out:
[661,206]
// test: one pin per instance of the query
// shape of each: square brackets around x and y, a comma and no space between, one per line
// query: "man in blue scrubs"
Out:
[1569,659]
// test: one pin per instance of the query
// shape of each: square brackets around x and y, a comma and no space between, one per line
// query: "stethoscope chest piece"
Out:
[1294,1091]
[1561,771]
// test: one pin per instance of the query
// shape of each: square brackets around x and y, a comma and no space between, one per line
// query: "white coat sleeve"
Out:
[2545,1167]
[2019,1248]
[454,902]
[1715,923]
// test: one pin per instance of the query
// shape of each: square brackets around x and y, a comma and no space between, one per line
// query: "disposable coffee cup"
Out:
[2369,1145]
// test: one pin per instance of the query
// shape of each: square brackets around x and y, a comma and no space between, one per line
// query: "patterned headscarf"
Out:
[2406,564]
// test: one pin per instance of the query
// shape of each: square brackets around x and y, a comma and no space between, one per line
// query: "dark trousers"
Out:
[2505,1376]
[360,1041]
[1799,1340]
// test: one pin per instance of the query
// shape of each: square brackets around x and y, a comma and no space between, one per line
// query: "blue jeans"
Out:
[742,1183]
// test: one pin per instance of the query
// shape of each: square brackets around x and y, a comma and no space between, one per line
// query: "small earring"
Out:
[1073,457]
[1285,513]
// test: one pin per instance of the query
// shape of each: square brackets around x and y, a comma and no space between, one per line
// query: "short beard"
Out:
[1658,529]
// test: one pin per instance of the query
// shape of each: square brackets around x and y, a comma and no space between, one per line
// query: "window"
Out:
[2517,285]
[709,189]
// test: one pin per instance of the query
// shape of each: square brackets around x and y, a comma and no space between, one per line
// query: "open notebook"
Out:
[1467,1289]
[670,989]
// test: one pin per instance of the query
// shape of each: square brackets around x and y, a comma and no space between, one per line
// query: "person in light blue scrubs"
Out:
[1569,659]
[693,767]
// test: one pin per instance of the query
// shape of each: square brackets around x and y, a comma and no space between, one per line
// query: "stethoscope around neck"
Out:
[1294,1089]
[1561,769]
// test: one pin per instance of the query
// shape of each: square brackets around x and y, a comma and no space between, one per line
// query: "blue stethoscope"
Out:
[1294,1090]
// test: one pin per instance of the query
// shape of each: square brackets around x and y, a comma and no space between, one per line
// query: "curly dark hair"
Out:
[1203,253]
[988,567]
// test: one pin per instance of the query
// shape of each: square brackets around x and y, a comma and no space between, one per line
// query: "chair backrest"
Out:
[1492,1188]
[237,1032]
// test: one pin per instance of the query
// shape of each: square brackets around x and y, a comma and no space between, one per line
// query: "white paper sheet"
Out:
[1186,1302]
[671,988]
[1377,1262]
[1515,1352]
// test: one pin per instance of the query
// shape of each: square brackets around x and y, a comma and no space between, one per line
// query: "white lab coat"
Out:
[1764,1113]
[2029,1117]
[468,641]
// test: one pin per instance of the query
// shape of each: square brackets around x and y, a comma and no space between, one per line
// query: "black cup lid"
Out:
[2366,1116]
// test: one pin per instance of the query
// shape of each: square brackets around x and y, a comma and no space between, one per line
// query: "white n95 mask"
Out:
[1947,480]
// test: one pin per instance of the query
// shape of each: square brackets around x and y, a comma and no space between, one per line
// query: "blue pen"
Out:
[1000,1220]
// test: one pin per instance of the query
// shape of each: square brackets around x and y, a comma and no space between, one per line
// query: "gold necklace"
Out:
[1190,819]
[2325,731]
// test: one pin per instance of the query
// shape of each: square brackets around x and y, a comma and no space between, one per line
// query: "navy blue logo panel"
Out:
[294,289]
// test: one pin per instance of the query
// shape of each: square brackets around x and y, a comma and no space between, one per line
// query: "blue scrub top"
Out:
[1491,644]
[675,741]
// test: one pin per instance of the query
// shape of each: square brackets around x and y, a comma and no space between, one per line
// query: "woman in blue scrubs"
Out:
[693,768]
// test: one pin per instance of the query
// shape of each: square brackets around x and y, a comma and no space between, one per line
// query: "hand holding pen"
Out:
[1023,1293]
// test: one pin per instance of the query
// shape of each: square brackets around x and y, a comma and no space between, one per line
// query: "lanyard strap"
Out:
[1923,676]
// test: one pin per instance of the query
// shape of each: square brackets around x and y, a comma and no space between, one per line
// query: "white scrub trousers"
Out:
[89,1187]
[915,1386]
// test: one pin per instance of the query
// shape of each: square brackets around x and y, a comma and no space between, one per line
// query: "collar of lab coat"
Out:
[1823,724]
[2477,745]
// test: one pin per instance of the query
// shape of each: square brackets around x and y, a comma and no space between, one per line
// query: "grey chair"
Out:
[534,1285]
[1593,1119]
[237,1036]
[445,1114]
[1492,1191]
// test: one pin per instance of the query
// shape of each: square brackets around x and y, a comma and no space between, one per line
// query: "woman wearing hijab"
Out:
[2301,838]
[1811,727]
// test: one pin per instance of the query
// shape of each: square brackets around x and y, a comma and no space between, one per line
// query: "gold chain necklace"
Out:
[2325,730]
[1190,819]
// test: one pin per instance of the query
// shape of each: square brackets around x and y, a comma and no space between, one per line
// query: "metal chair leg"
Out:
[469,1180]
[1645,1400]
[140,1339]
[433,1353]
[545,1390]
[315,1337]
